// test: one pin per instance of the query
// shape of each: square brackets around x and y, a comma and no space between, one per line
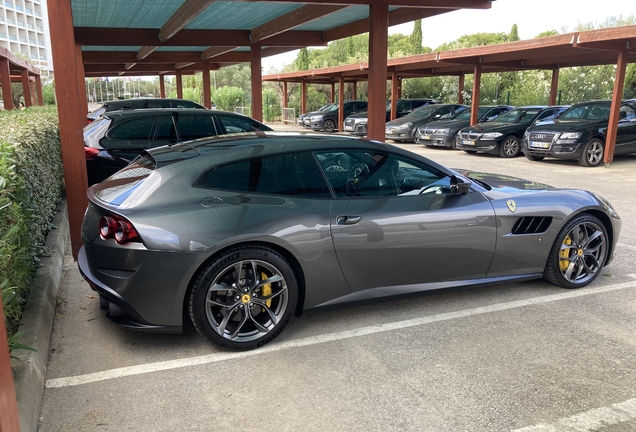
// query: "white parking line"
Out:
[591,420]
[626,246]
[313,340]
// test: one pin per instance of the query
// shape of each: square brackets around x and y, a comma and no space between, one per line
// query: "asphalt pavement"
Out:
[514,357]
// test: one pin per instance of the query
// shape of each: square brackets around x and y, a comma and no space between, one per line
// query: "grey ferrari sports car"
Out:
[239,232]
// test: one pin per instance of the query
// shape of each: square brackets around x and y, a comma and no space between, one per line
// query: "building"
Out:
[24,30]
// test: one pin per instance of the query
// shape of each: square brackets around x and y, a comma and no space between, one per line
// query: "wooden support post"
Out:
[378,41]
[257,82]
[207,96]
[285,101]
[554,86]
[38,89]
[303,97]
[179,85]
[614,117]
[474,114]
[395,94]
[5,82]
[81,82]
[162,86]
[341,103]
[26,88]
[9,420]
[460,90]
[333,93]
[70,100]
[354,90]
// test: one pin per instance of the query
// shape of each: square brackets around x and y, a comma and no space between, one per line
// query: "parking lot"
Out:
[513,357]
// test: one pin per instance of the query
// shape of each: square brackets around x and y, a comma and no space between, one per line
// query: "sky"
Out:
[531,16]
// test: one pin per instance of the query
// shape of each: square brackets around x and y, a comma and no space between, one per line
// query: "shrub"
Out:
[31,178]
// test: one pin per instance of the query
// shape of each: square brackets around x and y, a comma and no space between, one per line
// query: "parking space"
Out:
[513,357]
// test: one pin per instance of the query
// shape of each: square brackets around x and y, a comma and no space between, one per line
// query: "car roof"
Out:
[118,102]
[155,111]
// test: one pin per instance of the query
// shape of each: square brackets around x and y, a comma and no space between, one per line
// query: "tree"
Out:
[514,34]
[416,37]
[227,98]
[303,59]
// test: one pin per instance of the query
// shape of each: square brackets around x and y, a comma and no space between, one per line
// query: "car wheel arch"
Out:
[607,223]
[285,253]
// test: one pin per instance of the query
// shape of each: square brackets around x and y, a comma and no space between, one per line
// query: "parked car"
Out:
[503,136]
[403,129]
[580,132]
[356,124]
[327,120]
[301,118]
[443,133]
[116,138]
[240,232]
[141,103]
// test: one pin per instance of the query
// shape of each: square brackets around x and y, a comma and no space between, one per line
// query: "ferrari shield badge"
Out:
[512,205]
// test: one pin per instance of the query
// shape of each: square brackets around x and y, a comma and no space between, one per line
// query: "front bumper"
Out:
[436,140]
[485,146]
[560,149]
[359,129]
[399,134]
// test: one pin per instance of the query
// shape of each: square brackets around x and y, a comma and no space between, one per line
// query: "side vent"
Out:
[532,225]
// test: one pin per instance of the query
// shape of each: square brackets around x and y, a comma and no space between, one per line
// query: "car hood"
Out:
[504,183]
[495,127]
[364,114]
[448,124]
[570,125]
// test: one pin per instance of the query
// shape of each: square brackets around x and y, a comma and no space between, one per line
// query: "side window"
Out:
[354,173]
[135,129]
[236,124]
[295,174]
[182,104]
[166,130]
[348,107]
[195,126]
[361,106]
[156,103]
[443,112]
[627,113]
[546,115]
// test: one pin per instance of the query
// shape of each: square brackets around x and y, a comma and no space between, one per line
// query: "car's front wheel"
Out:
[509,147]
[578,253]
[329,126]
[592,154]
[243,298]
[453,142]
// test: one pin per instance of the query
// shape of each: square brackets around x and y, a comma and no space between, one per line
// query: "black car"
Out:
[356,124]
[301,118]
[327,120]
[579,133]
[141,103]
[116,138]
[403,129]
[503,136]
[443,133]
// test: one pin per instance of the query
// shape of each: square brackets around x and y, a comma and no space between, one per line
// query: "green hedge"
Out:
[31,180]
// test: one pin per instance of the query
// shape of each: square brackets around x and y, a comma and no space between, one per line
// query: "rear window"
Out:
[135,129]
[125,181]
[94,131]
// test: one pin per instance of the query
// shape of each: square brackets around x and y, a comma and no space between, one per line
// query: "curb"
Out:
[29,370]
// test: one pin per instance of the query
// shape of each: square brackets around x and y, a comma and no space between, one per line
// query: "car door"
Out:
[395,222]
[626,132]
[194,126]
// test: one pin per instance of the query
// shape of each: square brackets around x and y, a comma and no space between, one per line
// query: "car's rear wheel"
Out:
[578,253]
[329,126]
[592,154]
[535,158]
[509,147]
[244,298]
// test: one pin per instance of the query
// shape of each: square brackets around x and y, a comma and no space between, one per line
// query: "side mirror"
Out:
[458,188]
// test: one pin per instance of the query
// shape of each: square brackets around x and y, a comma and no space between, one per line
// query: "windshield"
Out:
[518,115]
[421,113]
[589,111]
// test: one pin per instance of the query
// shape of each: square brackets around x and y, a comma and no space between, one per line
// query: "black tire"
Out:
[592,154]
[578,254]
[249,313]
[329,126]
[471,151]
[453,143]
[509,147]
[534,158]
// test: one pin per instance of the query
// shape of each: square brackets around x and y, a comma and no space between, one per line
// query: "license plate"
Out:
[348,128]
[389,131]
[468,142]
[536,144]
[426,137]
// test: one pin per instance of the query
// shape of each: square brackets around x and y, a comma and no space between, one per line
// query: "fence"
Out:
[247,111]
[289,115]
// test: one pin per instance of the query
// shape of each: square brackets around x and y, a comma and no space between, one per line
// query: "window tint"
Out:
[166,129]
[183,104]
[291,174]
[547,115]
[361,105]
[364,173]
[135,129]
[237,124]
[195,126]
[627,113]
[156,103]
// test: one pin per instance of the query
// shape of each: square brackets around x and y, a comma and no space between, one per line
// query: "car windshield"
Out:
[518,115]
[591,111]
[421,113]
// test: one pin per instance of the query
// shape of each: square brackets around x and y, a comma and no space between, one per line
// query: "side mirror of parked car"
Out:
[458,188]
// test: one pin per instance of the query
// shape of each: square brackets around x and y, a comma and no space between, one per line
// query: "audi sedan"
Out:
[238,233]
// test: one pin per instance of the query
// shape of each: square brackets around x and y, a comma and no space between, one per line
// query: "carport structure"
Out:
[608,46]
[148,37]
[14,69]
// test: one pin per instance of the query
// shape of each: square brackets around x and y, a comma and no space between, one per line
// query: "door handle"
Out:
[347,220]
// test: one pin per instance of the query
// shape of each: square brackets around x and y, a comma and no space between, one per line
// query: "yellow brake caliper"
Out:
[565,254]
[266,290]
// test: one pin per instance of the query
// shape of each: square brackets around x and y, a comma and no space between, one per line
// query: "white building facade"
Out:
[24,29]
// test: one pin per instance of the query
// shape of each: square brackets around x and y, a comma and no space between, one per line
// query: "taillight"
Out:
[90,153]
[118,228]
